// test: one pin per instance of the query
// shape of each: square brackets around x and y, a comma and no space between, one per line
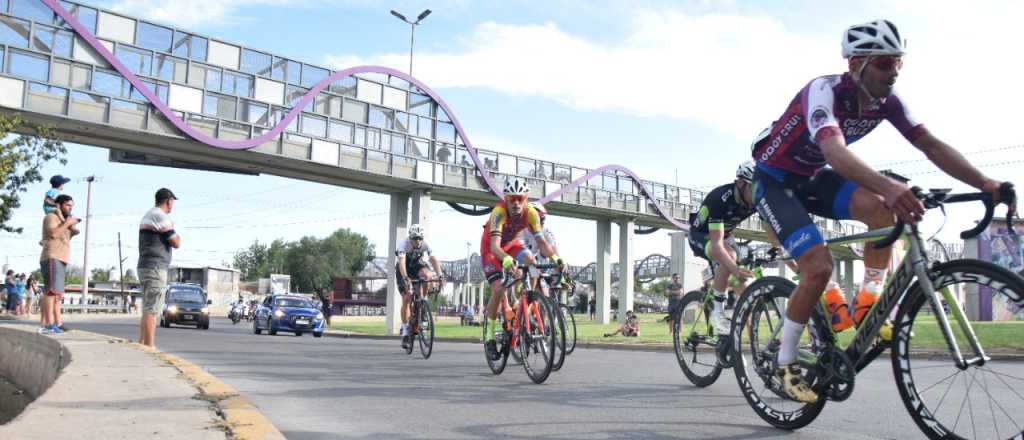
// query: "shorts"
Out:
[12,302]
[152,284]
[786,201]
[53,275]
[490,263]
[673,304]
[701,247]
[412,270]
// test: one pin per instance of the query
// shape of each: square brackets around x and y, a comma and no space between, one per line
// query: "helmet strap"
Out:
[858,78]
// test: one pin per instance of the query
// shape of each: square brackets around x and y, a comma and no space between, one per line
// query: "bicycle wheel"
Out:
[570,328]
[755,327]
[559,329]
[984,401]
[501,338]
[426,336]
[695,341]
[537,348]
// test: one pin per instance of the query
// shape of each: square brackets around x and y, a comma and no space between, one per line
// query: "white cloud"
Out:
[190,14]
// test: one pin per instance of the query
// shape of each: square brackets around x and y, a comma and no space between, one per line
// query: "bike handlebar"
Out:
[937,198]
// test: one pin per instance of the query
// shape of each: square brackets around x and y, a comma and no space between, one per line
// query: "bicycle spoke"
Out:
[984,387]
[943,399]
[941,381]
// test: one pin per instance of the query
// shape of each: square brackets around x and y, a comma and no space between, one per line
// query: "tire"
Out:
[537,331]
[559,329]
[256,329]
[761,307]
[270,327]
[206,326]
[298,333]
[318,334]
[426,336]
[694,340]
[570,328]
[995,380]
[497,366]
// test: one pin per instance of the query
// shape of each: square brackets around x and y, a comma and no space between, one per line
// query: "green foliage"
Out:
[21,161]
[310,261]
[100,274]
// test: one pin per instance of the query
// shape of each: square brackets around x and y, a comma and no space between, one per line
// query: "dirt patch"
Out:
[12,401]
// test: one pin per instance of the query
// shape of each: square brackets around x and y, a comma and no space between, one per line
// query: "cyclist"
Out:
[531,243]
[792,180]
[500,248]
[413,254]
[721,211]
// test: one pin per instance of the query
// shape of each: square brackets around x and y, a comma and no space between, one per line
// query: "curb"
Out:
[654,347]
[243,420]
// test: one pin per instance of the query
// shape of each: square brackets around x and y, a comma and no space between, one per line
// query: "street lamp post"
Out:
[412,30]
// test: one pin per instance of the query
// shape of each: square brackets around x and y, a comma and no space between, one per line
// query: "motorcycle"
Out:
[237,313]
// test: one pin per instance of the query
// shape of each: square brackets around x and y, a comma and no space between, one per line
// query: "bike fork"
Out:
[918,262]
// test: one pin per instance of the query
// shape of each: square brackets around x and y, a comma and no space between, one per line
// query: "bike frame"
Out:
[864,348]
[414,303]
[522,308]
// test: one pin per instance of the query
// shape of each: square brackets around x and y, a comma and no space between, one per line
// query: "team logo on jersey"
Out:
[819,118]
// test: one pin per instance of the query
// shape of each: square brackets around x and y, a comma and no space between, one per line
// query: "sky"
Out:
[674,90]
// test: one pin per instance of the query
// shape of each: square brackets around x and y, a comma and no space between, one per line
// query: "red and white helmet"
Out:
[875,38]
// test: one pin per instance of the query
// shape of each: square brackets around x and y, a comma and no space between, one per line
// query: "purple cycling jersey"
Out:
[826,107]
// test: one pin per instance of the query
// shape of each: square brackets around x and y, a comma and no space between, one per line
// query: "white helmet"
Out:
[516,186]
[746,171]
[879,37]
[416,231]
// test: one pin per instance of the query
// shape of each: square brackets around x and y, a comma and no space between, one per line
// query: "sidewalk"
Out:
[113,389]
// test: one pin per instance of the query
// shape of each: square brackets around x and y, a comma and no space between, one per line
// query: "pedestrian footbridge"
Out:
[159,95]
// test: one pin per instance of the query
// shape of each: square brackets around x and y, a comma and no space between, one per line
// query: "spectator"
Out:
[443,154]
[19,283]
[630,328]
[56,189]
[10,285]
[593,308]
[31,294]
[674,291]
[156,239]
[58,228]
[327,302]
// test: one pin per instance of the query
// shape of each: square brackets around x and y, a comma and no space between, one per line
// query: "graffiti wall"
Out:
[1001,247]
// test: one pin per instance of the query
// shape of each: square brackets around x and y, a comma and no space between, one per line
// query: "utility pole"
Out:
[412,30]
[120,268]
[85,262]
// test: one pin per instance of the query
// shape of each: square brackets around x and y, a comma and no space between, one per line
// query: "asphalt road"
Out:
[361,388]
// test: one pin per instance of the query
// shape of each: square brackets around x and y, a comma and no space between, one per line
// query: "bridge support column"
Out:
[678,255]
[972,295]
[625,268]
[602,271]
[847,281]
[421,211]
[398,224]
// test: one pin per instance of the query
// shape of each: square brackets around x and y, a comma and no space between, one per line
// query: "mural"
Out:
[1000,246]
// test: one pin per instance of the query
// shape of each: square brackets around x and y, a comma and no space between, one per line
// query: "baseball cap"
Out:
[58,180]
[164,194]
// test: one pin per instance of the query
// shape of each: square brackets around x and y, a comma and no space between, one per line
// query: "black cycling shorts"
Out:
[413,270]
[700,246]
[786,201]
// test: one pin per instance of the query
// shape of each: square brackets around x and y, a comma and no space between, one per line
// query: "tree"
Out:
[129,276]
[260,260]
[100,274]
[73,274]
[21,160]
[311,262]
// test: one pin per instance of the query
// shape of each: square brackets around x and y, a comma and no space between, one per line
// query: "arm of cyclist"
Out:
[437,266]
[716,236]
[897,195]
[949,160]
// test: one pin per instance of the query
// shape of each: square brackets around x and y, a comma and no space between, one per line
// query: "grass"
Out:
[1004,335]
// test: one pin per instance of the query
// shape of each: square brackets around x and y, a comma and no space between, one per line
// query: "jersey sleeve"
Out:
[899,116]
[533,222]
[818,109]
[714,209]
[401,249]
[497,221]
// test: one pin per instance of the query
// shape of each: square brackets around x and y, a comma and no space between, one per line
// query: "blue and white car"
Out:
[289,313]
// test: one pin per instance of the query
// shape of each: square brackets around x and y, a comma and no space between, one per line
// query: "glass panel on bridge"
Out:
[377,162]
[234,131]
[286,70]
[341,131]
[420,104]
[418,148]
[373,138]
[237,84]
[394,98]
[116,27]
[293,94]
[45,98]
[51,39]
[28,65]
[398,144]
[257,63]
[443,153]
[110,83]
[205,125]
[14,32]
[190,46]
[369,91]
[221,106]
[360,136]
[139,61]
[324,152]
[295,146]
[399,82]
[159,124]
[223,54]
[352,157]
[313,125]
[526,167]
[425,126]
[562,174]
[151,36]
[254,112]
[88,107]
[170,68]
[402,122]
[85,15]
[354,111]
[312,75]
[33,10]
[269,147]
[344,86]
[403,167]
[128,114]
[445,132]
[328,104]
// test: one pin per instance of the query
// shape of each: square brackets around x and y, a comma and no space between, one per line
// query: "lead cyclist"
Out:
[792,180]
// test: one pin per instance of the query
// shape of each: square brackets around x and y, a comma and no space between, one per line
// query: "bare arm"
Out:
[949,160]
[790,263]
[436,264]
[175,241]
[401,266]
[719,253]
[898,195]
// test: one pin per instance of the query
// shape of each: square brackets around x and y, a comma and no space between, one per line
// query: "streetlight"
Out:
[412,30]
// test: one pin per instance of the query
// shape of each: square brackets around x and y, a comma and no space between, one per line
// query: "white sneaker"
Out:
[721,322]
[404,331]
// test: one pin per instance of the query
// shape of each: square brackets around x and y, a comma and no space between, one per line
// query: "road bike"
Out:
[992,401]
[557,282]
[701,352]
[421,318]
[528,328]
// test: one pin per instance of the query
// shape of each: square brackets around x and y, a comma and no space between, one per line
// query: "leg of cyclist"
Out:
[720,286]
[403,289]
[869,208]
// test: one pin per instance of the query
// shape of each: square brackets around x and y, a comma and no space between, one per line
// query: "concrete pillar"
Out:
[421,211]
[602,271]
[678,255]
[398,224]
[625,268]
[972,295]
[847,283]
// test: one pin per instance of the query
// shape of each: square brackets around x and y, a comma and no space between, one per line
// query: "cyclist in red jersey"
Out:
[500,247]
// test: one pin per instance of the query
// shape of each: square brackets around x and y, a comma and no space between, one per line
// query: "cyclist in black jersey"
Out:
[722,210]
[413,254]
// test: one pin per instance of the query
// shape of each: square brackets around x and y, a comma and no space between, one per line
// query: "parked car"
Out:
[185,304]
[289,313]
